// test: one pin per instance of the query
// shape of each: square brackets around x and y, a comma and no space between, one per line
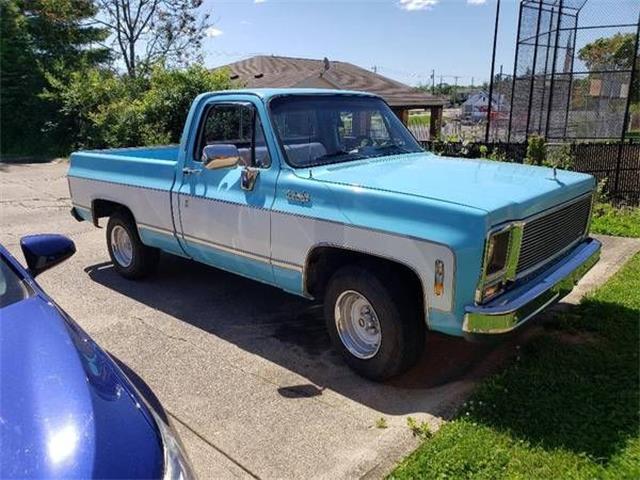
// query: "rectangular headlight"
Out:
[500,262]
[498,252]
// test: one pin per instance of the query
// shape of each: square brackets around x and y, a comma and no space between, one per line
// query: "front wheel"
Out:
[375,325]
[131,258]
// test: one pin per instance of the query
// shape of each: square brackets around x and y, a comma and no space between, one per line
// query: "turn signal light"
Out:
[438,283]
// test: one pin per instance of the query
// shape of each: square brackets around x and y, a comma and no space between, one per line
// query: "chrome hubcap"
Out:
[357,324]
[121,246]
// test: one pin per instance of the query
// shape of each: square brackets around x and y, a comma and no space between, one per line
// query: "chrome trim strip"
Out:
[287,265]
[503,316]
[155,229]
[242,253]
[226,248]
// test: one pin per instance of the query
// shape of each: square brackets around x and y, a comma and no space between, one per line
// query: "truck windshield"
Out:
[323,129]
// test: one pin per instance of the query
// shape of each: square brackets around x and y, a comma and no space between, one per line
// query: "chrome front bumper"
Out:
[512,309]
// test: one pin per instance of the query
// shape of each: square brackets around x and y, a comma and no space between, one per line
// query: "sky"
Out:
[404,39]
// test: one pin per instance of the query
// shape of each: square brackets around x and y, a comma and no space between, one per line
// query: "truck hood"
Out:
[66,411]
[506,191]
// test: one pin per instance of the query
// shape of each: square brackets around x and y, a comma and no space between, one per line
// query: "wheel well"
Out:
[323,262]
[105,208]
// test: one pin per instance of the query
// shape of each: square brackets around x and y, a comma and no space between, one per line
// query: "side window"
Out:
[345,125]
[378,129]
[237,124]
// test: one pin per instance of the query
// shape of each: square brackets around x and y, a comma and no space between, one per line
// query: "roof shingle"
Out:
[281,72]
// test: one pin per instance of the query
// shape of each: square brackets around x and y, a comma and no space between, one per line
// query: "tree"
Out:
[613,53]
[145,32]
[39,38]
[111,110]
[609,53]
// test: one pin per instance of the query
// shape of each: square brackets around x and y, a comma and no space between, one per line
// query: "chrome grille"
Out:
[549,234]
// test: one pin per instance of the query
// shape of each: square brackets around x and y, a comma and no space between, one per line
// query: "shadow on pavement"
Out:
[289,331]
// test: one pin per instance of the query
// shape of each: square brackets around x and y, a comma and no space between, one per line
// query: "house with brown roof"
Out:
[264,71]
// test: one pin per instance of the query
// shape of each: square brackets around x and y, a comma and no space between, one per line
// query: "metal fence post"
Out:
[533,71]
[515,73]
[625,120]
[553,70]
[493,68]
[569,91]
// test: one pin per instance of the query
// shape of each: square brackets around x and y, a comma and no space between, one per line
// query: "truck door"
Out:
[224,213]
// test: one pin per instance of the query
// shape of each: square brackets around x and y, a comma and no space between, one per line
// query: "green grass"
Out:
[622,222]
[567,407]
[420,119]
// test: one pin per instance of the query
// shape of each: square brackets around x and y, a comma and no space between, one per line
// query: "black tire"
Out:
[144,259]
[400,320]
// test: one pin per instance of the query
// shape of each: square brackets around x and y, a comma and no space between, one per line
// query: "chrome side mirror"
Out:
[220,156]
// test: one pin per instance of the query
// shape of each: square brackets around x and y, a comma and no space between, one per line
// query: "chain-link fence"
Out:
[576,71]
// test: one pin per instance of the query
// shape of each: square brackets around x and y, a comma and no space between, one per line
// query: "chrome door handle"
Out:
[191,171]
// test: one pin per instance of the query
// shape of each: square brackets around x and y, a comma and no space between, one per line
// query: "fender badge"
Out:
[301,197]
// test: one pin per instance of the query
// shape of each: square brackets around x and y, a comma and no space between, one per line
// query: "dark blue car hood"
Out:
[65,409]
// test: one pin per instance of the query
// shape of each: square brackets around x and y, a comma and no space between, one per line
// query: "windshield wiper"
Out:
[401,148]
[339,153]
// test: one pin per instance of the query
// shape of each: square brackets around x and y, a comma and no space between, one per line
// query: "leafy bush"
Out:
[101,109]
[536,150]
[560,156]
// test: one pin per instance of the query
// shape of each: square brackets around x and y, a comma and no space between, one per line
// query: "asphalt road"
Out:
[244,371]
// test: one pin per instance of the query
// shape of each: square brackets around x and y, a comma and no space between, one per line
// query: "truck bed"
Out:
[141,178]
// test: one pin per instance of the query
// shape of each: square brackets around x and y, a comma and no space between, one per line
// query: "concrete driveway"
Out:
[244,371]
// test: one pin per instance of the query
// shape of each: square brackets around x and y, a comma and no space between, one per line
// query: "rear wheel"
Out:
[131,258]
[376,325]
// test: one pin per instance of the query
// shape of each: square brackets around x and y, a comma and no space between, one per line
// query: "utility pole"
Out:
[433,82]
[455,89]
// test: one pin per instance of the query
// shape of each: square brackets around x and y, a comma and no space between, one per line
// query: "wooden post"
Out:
[435,123]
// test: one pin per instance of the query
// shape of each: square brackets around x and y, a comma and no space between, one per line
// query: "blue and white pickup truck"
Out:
[326,194]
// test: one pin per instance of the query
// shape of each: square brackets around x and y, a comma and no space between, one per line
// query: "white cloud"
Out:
[212,32]
[476,2]
[245,22]
[412,5]
[259,1]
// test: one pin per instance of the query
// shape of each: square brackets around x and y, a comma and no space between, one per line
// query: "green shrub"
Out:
[536,150]
[559,156]
[101,109]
